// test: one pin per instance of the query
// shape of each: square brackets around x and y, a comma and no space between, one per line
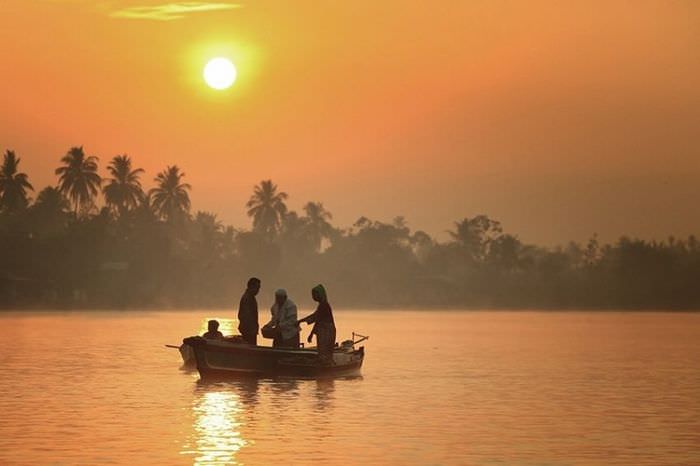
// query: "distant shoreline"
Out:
[146,249]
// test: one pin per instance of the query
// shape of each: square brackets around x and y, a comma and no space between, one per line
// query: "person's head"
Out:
[213,325]
[318,294]
[280,296]
[254,285]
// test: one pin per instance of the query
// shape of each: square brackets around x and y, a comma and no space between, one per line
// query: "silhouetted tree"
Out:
[208,223]
[159,256]
[294,237]
[144,210]
[475,235]
[422,244]
[51,201]
[170,198]
[208,234]
[123,191]
[506,252]
[267,208]
[591,254]
[318,223]
[13,185]
[49,213]
[78,179]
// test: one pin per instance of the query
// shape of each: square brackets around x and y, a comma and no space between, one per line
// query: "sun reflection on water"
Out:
[217,429]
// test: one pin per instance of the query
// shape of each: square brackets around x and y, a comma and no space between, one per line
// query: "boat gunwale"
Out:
[226,345]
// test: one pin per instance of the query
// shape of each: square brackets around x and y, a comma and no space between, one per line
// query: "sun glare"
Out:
[219,73]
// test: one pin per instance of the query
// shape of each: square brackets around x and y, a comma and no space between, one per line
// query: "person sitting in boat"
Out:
[213,333]
[248,312]
[324,325]
[284,320]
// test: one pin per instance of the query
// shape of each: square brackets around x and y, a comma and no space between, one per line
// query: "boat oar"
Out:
[172,346]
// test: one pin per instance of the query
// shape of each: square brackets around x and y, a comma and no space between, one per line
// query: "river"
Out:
[437,387]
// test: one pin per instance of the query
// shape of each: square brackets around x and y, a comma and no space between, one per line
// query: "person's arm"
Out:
[274,319]
[310,319]
[311,334]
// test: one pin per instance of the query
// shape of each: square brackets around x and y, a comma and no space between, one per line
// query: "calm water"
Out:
[485,388]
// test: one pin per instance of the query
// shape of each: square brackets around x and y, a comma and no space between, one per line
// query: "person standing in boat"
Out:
[248,312]
[284,320]
[324,325]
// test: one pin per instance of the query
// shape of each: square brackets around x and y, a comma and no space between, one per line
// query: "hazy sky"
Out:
[558,118]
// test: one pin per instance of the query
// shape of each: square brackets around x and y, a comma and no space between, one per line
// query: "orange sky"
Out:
[558,118]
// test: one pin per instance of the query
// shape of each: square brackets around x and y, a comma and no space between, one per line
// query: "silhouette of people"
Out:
[324,325]
[248,312]
[213,330]
[284,319]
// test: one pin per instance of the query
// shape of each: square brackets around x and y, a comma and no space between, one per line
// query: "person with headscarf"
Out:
[284,321]
[248,312]
[324,325]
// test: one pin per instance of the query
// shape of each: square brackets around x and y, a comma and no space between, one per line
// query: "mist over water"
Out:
[573,388]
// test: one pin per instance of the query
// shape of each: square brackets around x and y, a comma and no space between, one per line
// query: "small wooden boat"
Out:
[221,358]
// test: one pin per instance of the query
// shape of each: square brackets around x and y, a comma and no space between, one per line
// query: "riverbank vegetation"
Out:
[109,242]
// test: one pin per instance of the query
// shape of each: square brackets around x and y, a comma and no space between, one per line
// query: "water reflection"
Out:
[324,393]
[248,390]
[218,411]
[285,387]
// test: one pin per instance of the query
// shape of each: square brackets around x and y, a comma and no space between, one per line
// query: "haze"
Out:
[560,119]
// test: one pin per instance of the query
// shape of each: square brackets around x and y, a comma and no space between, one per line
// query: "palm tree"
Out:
[124,191]
[50,211]
[13,185]
[266,207]
[208,234]
[208,223]
[170,199]
[78,179]
[318,223]
[51,199]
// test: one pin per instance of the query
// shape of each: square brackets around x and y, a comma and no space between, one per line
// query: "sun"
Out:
[219,73]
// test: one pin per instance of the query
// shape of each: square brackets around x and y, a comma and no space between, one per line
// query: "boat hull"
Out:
[187,353]
[217,359]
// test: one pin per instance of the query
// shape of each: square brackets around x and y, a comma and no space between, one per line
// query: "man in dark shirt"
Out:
[248,312]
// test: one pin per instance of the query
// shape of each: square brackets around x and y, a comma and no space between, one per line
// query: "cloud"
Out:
[171,11]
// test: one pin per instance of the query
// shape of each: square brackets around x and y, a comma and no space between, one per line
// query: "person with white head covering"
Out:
[284,320]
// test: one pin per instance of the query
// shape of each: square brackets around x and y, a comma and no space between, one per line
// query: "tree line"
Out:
[146,249]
